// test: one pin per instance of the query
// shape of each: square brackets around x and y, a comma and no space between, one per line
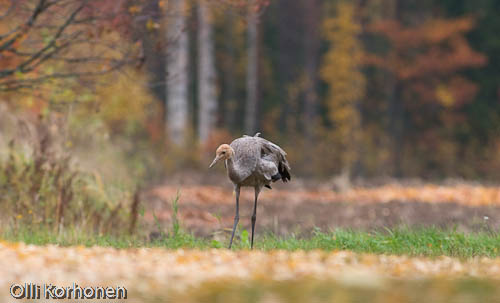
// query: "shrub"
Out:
[40,188]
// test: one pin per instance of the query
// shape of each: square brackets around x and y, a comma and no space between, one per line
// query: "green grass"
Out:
[414,242]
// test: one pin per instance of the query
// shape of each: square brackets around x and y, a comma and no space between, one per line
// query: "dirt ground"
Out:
[299,208]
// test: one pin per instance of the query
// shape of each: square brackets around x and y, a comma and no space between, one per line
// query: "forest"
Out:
[361,89]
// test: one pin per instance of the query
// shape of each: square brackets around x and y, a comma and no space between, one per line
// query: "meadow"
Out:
[421,242]
[388,110]
[396,242]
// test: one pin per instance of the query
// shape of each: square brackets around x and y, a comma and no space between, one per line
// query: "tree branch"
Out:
[44,52]
[23,29]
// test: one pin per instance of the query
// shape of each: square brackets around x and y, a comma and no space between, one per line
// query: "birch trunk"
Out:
[252,70]
[177,73]
[207,99]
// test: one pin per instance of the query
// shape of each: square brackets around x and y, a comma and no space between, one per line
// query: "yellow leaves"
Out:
[341,26]
[455,92]
[156,272]
[444,96]
[134,9]
[151,25]
[124,103]
[341,71]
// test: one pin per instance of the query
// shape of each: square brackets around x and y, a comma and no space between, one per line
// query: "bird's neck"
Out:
[230,163]
[232,170]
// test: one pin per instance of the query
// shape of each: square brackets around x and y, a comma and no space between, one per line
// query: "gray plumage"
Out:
[256,162]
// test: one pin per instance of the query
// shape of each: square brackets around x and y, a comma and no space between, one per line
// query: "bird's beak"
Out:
[215,161]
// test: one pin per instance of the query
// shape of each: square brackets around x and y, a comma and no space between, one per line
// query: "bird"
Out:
[252,161]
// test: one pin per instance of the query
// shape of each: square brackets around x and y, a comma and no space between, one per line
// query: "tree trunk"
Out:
[396,128]
[396,108]
[207,99]
[229,104]
[252,73]
[177,73]
[311,67]
[152,51]
[289,22]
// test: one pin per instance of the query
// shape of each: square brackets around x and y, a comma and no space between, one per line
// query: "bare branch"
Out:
[23,29]
[44,52]
[68,23]
[9,10]
[16,84]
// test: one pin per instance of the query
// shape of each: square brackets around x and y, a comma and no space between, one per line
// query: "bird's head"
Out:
[223,152]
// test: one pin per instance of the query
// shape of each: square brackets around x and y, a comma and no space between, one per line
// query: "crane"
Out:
[253,162]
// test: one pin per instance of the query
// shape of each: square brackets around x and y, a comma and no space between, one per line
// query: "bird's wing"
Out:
[256,153]
[273,151]
[267,168]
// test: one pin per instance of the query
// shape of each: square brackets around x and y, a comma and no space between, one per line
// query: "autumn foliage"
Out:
[427,56]
[342,71]
[389,88]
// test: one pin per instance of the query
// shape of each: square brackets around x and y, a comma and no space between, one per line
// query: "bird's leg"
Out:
[237,216]
[254,215]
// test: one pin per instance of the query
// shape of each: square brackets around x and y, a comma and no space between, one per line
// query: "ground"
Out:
[376,269]
[298,208]
[220,275]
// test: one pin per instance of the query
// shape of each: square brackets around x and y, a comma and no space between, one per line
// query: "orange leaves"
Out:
[431,32]
[437,30]
[471,195]
[464,194]
[437,47]
[426,61]
[441,60]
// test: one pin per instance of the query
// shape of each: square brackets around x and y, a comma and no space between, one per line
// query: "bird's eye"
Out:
[223,152]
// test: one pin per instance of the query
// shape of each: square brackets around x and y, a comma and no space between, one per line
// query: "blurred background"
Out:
[100,98]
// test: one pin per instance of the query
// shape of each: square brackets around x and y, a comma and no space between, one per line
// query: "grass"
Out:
[403,241]
[46,201]
[41,188]
[414,242]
